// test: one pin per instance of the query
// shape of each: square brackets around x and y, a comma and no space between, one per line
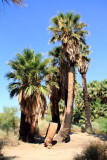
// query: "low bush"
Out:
[94,151]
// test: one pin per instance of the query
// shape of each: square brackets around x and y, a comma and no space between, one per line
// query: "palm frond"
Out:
[13,85]
[53,83]
[14,92]
[28,54]
[30,90]
[10,75]
[44,90]
[55,20]
[76,18]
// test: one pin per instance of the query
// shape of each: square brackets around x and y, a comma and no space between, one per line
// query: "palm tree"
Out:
[83,64]
[27,77]
[17,2]
[60,77]
[68,29]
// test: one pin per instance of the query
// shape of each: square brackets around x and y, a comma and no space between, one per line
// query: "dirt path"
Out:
[62,151]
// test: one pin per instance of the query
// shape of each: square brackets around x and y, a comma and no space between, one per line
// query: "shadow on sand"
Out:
[101,136]
[7,158]
[39,139]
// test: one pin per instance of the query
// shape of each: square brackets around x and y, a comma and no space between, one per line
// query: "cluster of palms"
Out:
[33,78]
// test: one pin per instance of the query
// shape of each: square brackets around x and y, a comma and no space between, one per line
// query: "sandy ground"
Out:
[61,151]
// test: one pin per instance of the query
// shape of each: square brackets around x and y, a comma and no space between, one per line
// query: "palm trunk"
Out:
[27,128]
[50,134]
[24,128]
[55,116]
[63,134]
[32,129]
[88,125]
[54,99]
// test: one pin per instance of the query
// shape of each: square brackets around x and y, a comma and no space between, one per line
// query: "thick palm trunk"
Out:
[63,134]
[27,128]
[55,116]
[24,128]
[86,104]
[32,129]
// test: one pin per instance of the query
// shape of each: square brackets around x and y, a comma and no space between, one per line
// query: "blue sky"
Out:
[27,26]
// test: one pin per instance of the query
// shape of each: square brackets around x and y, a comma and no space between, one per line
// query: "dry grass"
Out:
[42,127]
[10,140]
[93,151]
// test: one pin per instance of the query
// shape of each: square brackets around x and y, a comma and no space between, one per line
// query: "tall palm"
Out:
[28,73]
[83,64]
[68,29]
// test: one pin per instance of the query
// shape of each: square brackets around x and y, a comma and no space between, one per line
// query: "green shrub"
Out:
[94,151]
[9,119]
[100,125]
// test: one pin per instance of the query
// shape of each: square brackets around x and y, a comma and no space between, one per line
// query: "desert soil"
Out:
[61,151]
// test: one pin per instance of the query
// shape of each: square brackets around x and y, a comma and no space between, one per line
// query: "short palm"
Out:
[28,82]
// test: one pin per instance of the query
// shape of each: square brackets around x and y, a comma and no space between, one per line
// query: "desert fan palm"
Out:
[83,64]
[27,76]
[68,29]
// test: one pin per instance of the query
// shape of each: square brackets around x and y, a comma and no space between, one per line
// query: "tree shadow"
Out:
[101,136]
[39,139]
[2,157]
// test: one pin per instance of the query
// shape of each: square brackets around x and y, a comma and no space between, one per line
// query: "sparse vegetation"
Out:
[9,120]
[94,151]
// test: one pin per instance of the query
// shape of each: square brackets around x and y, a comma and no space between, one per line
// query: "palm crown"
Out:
[28,72]
[84,60]
[68,29]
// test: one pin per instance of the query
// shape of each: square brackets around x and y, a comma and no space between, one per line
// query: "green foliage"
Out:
[78,116]
[9,119]
[94,151]
[48,117]
[97,92]
[101,125]
[98,109]
[61,105]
